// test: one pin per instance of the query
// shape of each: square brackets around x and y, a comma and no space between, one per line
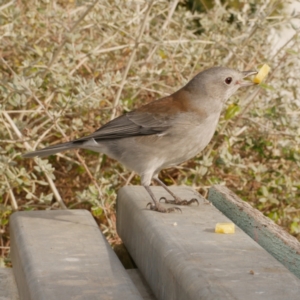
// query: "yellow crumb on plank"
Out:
[224,228]
[262,74]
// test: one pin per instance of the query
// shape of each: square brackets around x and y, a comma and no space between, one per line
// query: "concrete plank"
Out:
[8,287]
[264,231]
[141,284]
[181,257]
[63,255]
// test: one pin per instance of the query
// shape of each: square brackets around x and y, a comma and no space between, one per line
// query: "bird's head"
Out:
[218,83]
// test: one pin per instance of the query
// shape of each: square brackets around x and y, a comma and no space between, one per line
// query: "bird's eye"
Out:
[228,80]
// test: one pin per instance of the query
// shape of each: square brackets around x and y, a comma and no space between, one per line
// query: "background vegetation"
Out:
[67,67]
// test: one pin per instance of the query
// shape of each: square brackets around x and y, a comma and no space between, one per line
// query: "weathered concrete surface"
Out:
[141,284]
[181,257]
[63,255]
[264,231]
[8,287]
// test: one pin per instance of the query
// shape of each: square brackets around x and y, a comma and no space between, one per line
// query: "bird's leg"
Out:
[157,206]
[177,200]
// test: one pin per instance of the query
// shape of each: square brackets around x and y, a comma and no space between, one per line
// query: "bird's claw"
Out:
[160,208]
[178,201]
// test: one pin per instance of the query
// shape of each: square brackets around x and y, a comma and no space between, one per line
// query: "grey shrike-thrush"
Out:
[165,132]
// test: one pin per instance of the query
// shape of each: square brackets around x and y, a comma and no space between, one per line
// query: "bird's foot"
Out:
[179,201]
[159,208]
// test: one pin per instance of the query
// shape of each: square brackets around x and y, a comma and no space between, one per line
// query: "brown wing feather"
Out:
[135,123]
[153,118]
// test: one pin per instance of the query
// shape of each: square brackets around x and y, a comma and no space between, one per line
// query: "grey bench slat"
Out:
[181,257]
[264,231]
[8,287]
[63,255]
[140,284]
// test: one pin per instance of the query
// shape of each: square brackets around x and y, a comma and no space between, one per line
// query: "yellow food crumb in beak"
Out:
[224,228]
[262,74]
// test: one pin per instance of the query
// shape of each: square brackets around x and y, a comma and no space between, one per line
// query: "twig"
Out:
[59,49]
[102,205]
[132,174]
[267,131]
[14,203]
[7,5]
[165,25]
[49,179]
[141,31]
[251,30]
[98,49]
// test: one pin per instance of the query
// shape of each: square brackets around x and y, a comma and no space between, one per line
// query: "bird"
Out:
[165,132]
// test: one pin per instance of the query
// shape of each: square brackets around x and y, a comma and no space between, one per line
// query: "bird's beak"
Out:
[245,75]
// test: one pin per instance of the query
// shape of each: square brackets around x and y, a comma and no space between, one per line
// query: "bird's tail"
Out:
[50,150]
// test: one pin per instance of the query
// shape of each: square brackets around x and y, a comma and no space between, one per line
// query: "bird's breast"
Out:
[186,141]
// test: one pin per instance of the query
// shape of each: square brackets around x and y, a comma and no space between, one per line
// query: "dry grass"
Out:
[68,67]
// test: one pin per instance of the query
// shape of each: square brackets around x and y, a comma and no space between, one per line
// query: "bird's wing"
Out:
[147,120]
[153,118]
[134,123]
